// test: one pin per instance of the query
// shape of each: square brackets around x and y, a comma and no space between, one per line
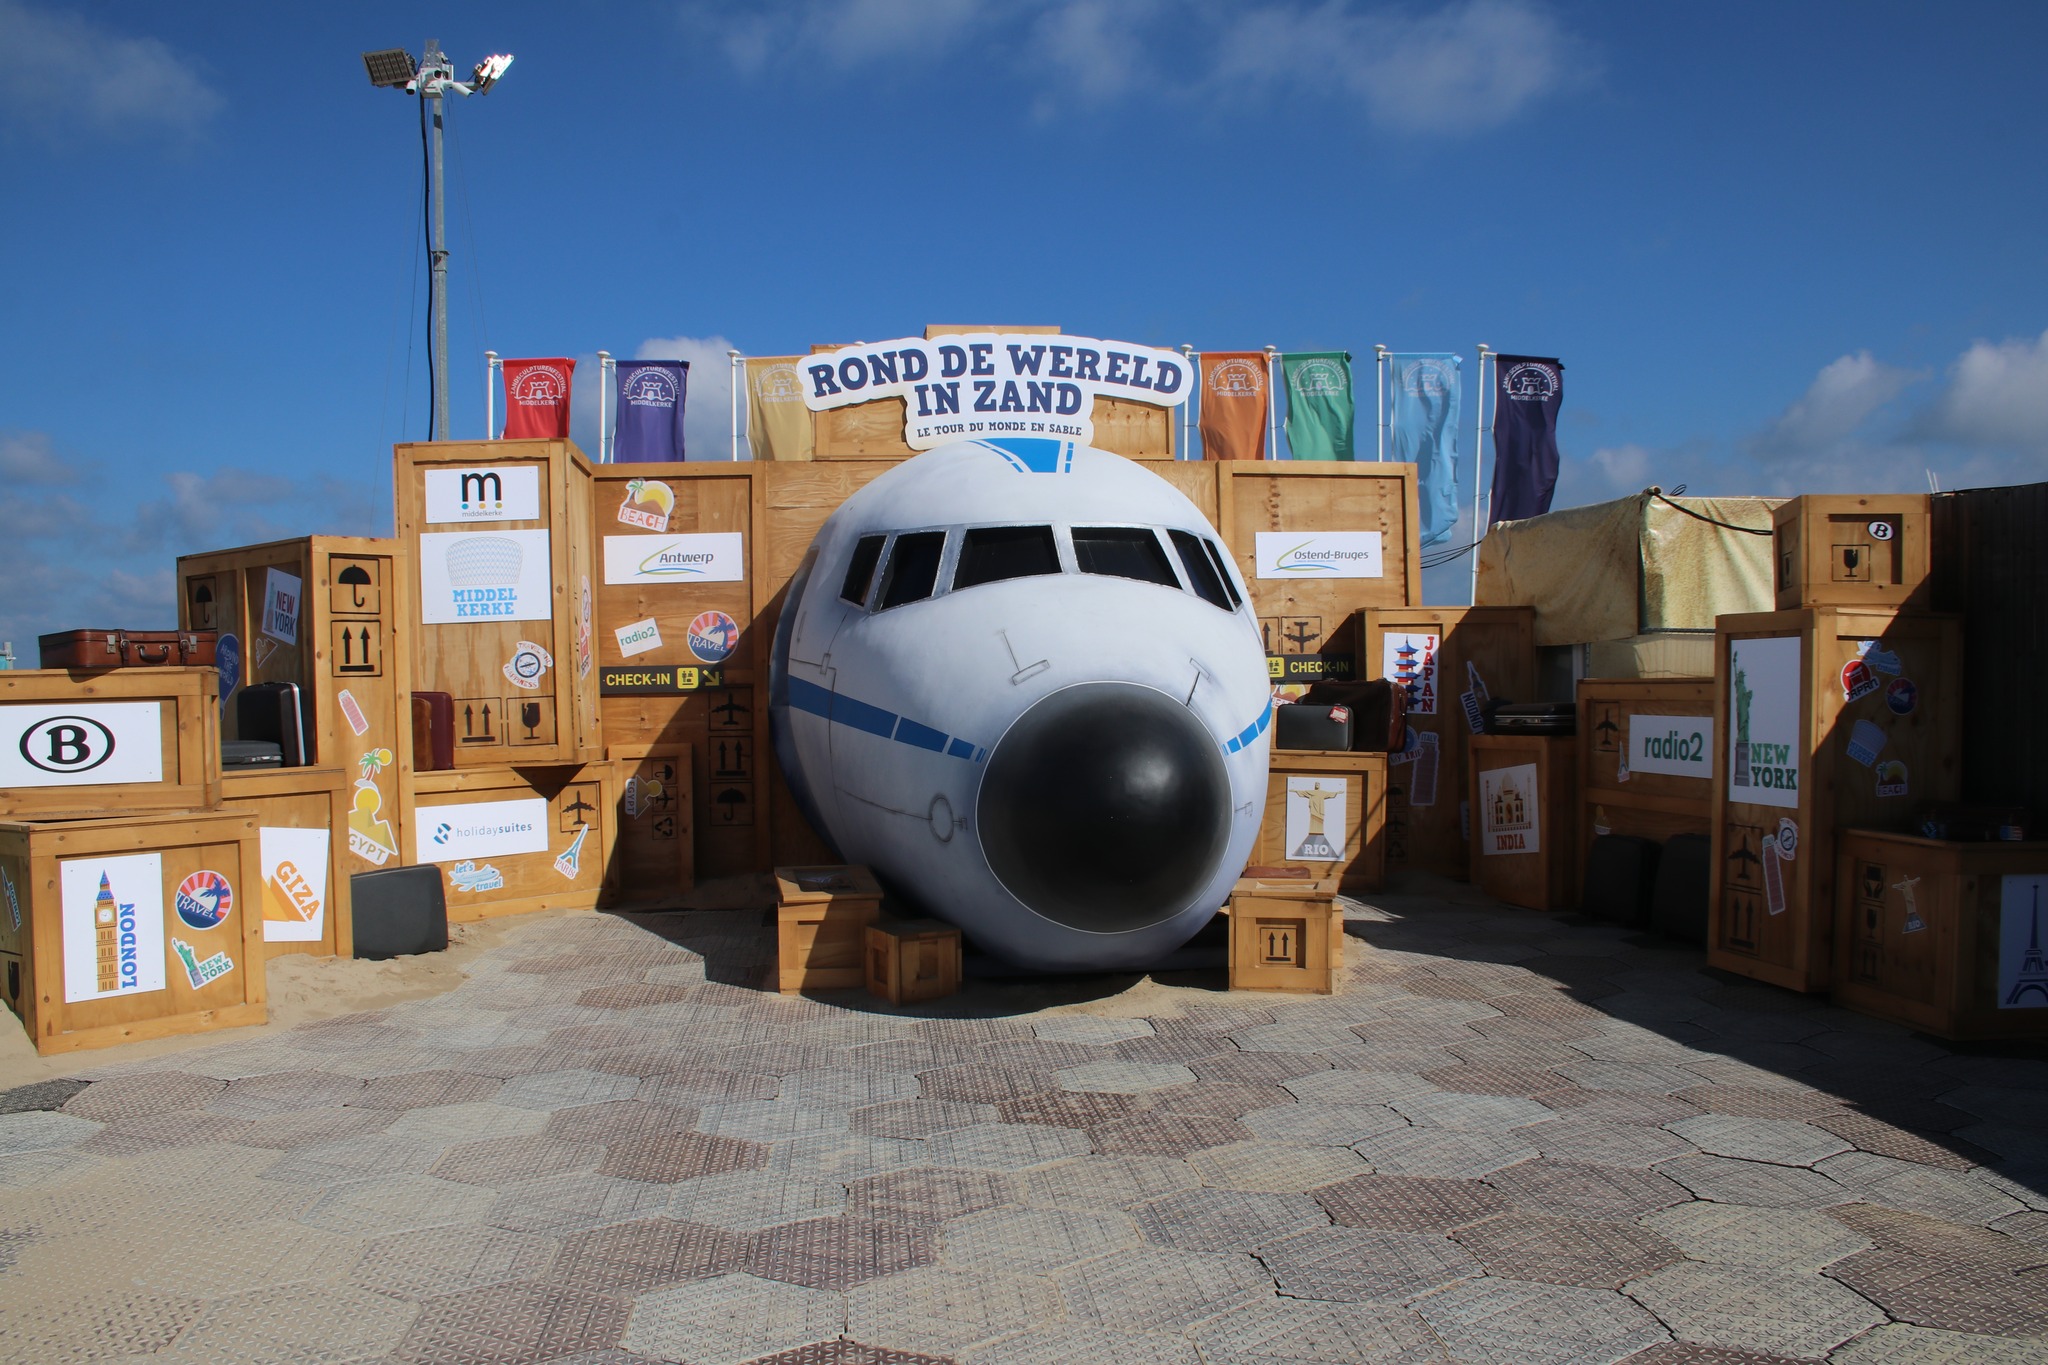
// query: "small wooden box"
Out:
[146,926]
[302,826]
[821,918]
[1949,938]
[1347,842]
[1525,847]
[1285,935]
[913,960]
[1852,551]
[557,825]
[1646,759]
[79,744]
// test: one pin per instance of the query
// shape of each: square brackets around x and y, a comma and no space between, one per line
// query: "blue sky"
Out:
[1780,248]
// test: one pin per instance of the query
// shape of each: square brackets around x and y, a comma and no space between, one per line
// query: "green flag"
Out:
[1320,412]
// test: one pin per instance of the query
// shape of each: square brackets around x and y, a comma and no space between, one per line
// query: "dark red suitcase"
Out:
[433,731]
[127,649]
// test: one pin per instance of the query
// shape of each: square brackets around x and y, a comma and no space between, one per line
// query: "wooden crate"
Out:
[81,972]
[1845,550]
[1285,935]
[822,913]
[1525,815]
[349,656]
[911,961]
[655,808]
[1630,759]
[1948,938]
[1300,831]
[302,826]
[558,826]
[76,744]
[1480,652]
[498,540]
[1814,738]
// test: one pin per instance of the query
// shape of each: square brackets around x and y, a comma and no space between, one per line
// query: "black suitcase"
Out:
[1678,904]
[271,712]
[1621,877]
[1379,711]
[1308,725]
[240,755]
[1531,718]
[399,911]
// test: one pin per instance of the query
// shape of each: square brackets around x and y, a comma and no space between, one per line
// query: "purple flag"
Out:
[650,426]
[1529,390]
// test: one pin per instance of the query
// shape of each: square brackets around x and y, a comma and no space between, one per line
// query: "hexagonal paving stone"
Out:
[1088,1028]
[1033,1241]
[1752,1102]
[1692,1353]
[1743,1308]
[447,1260]
[511,1323]
[1469,1113]
[1225,1220]
[920,1117]
[747,1201]
[133,1096]
[774,1120]
[1726,1181]
[668,1157]
[1005,1146]
[927,1195]
[981,1083]
[550,1090]
[1071,1108]
[1917,1189]
[1217,1099]
[1515,1322]
[598,1124]
[1615,1106]
[1903,1344]
[1408,1203]
[1364,1265]
[1781,1142]
[298,1323]
[1446,1155]
[214,1262]
[419,1089]
[939,1310]
[1231,1067]
[623,1259]
[839,1088]
[1155,1289]
[1356,1087]
[1875,1135]
[1281,1331]
[1336,1125]
[1657,1078]
[708,1085]
[374,1207]
[1277,1166]
[1584,1252]
[283,1092]
[730,1319]
[1897,1230]
[1766,1239]
[1117,1077]
[574,1201]
[1952,1293]
[1117,1180]
[503,1161]
[1157,1133]
[1568,1189]
[449,1124]
[1603,1143]
[838,1252]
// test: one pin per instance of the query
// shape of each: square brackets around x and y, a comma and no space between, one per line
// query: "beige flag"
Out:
[778,423]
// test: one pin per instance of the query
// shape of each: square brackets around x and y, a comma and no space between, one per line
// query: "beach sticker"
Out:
[204,900]
[1901,695]
[528,662]
[352,712]
[199,971]
[649,504]
[570,863]
[1891,778]
[467,876]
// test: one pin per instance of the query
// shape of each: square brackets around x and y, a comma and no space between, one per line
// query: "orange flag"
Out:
[1234,404]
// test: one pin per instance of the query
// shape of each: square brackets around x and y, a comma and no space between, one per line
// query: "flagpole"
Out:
[732,362]
[1272,403]
[1379,393]
[1187,407]
[604,366]
[490,395]
[1478,465]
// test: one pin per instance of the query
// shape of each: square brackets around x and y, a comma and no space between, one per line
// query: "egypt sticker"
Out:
[204,899]
[648,504]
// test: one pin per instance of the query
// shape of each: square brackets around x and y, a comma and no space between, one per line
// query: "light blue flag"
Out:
[1424,424]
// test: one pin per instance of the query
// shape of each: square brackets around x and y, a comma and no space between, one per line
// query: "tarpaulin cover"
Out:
[1616,569]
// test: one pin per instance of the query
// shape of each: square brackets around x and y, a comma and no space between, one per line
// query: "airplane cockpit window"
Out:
[913,568]
[989,554]
[1209,585]
[1216,558]
[1123,552]
[860,570]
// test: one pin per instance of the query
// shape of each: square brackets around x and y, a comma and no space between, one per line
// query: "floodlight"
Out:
[488,71]
[393,67]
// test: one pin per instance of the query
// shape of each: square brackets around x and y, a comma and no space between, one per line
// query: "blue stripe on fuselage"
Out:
[873,720]
[1252,731]
[1034,454]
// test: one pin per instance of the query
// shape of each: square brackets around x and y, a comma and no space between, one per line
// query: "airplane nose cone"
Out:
[1105,807]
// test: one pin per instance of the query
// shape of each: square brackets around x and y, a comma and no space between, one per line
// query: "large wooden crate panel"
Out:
[302,820]
[1646,758]
[1525,848]
[655,860]
[512,840]
[1325,818]
[1846,550]
[76,744]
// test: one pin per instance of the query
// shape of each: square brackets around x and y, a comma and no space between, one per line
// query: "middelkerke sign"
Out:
[977,384]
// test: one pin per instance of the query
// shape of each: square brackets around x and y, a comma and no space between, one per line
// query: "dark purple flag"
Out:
[651,394]
[1528,392]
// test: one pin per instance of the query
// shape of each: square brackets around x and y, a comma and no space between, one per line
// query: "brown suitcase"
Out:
[433,731]
[128,649]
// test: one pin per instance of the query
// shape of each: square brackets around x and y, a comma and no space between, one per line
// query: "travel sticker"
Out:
[648,504]
[639,637]
[713,636]
[294,883]
[489,493]
[1901,696]
[204,900]
[481,829]
[260,650]
[13,901]
[467,876]
[227,658]
[488,576]
[570,863]
[644,794]
[369,834]
[528,662]
[1866,742]
[584,653]
[1905,887]
[1775,855]
[1314,812]
[1422,783]
[1858,680]
[1410,661]
[1891,778]
[1764,748]
[1474,699]
[113,911]
[200,971]
[281,606]
[1677,746]
[2022,960]
[1880,658]
[352,712]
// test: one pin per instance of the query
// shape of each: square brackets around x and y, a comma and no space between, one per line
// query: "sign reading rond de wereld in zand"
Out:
[977,384]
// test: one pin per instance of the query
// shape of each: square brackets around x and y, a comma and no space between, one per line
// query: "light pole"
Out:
[431,78]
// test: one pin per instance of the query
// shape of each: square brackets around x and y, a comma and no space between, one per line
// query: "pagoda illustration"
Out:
[2033,974]
[1316,844]
[106,929]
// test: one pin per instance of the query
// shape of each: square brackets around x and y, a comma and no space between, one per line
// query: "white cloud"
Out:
[843,33]
[1842,397]
[707,408]
[62,73]
[1997,396]
[26,457]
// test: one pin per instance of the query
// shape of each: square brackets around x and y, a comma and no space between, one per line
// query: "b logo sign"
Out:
[67,744]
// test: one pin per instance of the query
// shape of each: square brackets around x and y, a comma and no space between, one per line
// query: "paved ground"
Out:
[1512,1139]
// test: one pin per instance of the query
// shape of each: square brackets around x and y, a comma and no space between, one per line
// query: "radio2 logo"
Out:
[67,744]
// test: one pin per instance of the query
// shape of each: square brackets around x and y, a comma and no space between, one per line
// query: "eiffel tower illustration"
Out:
[2033,974]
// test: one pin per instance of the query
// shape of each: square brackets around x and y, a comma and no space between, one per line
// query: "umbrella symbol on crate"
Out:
[731,799]
[357,578]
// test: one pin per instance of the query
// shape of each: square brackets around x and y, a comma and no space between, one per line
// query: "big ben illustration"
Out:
[107,933]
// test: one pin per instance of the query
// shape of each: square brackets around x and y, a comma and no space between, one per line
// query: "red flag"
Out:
[537,399]
[1234,404]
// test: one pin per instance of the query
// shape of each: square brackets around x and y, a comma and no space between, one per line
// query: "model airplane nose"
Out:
[1105,807]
